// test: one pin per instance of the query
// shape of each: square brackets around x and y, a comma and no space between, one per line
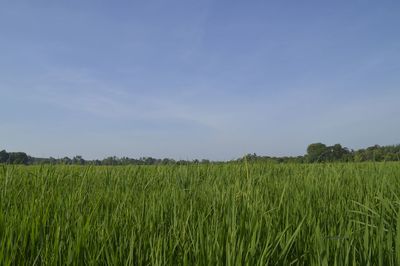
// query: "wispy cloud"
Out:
[79,91]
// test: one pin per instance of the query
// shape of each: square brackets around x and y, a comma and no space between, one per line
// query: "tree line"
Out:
[23,158]
[316,153]
[319,152]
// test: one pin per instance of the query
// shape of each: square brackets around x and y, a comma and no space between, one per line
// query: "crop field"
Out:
[216,214]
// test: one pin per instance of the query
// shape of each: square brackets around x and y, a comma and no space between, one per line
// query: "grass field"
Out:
[228,214]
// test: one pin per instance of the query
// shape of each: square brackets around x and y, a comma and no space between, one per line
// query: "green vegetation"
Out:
[204,214]
[316,153]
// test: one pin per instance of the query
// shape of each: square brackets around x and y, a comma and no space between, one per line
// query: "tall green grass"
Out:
[228,214]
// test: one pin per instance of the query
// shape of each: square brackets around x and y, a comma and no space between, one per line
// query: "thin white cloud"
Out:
[79,91]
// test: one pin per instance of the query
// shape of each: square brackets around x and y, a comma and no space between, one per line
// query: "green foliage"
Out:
[3,156]
[316,151]
[201,214]
[13,157]
[18,158]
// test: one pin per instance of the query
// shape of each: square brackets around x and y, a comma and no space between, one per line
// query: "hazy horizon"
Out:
[197,79]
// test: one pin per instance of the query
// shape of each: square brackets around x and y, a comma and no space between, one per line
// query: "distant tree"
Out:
[166,161]
[316,152]
[149,160]
[97,162]
[360,156]
[182,162]
[18,158]
[251,157]
[78,160]
[66,160]
[4,156]
[112,160]
[391,157]
[339,153]
[349,156]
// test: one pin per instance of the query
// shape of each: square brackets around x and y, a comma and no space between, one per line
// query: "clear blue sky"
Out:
[197,79]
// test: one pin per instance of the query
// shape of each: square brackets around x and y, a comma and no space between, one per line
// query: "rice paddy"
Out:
[201,214]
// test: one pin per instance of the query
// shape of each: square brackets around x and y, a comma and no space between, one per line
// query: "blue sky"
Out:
[197,79]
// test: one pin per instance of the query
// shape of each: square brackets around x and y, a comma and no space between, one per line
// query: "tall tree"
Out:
[317,152]
[4,156]
[18,158]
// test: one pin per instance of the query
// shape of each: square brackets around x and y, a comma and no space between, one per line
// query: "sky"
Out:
[190,79]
